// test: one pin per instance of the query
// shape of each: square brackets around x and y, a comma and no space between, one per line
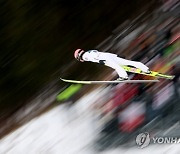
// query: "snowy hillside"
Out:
[65,130]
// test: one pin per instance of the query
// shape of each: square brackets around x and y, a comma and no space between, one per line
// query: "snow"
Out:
[65,130]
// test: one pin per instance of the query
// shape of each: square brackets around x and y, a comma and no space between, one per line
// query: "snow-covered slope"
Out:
[65,130]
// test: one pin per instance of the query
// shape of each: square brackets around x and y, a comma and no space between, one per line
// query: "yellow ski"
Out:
[152,73]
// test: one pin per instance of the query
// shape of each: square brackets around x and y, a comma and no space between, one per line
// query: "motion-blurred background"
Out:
[37,42]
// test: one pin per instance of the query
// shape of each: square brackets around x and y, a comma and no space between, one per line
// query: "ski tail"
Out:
[152,73]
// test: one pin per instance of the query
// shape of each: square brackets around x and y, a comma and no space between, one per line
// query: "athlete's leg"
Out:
[136,64]
[120,71]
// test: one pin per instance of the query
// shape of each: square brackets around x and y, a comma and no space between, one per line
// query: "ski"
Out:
[152,73]
[108,82]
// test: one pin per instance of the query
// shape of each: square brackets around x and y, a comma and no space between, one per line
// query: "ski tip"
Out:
[63,79]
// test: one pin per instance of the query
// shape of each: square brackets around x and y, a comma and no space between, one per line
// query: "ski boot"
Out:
[121,79]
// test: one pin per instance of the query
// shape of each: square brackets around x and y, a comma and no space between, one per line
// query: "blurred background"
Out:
[37,43]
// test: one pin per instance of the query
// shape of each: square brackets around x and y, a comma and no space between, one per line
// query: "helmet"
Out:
[78,54]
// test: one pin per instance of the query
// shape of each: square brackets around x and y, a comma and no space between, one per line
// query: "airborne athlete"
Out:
[109,59]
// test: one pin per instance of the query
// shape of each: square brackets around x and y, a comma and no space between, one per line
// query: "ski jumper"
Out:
[113,61]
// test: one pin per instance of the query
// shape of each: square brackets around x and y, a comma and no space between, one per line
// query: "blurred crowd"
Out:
[126,109]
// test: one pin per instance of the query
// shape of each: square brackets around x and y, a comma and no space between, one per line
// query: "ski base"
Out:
[108,82]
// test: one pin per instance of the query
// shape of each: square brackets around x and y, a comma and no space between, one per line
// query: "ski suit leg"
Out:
[111,62]
[136,64]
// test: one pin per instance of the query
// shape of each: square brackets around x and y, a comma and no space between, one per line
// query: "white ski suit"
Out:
[113,61]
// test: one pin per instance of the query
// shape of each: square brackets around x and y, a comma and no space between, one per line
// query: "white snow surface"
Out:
[65,130]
